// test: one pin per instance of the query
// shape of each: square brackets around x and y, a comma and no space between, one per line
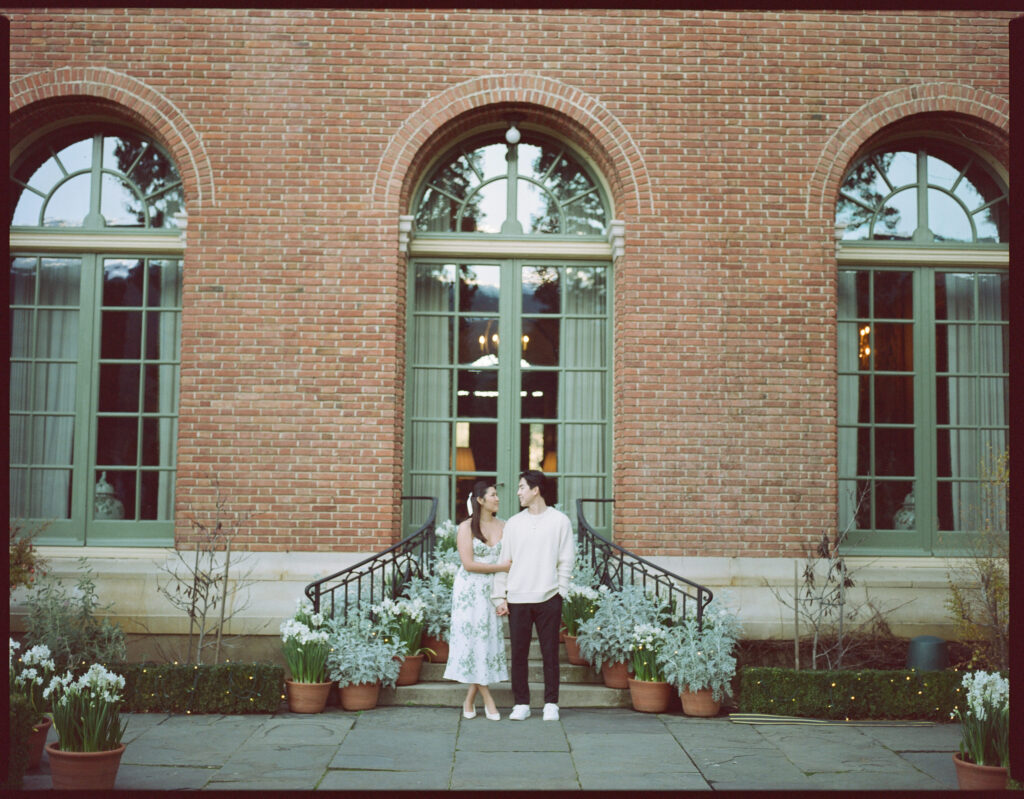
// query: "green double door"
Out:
[508,369]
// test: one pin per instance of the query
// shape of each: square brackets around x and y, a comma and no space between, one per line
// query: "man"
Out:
[538,542]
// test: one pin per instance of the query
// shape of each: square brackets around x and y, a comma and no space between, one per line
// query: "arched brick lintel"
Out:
[565,109]
[886,109]
[98,89]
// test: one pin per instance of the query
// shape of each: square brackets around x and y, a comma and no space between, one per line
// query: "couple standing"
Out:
[521,570]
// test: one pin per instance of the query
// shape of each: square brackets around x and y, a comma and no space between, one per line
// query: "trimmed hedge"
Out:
[865,694]
[228,688]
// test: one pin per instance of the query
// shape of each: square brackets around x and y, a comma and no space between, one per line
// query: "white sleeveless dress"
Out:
[476,642]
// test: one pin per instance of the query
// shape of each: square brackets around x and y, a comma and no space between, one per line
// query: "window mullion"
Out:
[925,435]
[87,399]
[510,326]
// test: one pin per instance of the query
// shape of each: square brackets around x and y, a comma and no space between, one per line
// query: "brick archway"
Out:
[41,98]
[562,108]
[887,109]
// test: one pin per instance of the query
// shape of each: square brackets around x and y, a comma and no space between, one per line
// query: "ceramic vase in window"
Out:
[107,505]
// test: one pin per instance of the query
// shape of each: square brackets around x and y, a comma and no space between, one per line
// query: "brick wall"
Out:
[723,136]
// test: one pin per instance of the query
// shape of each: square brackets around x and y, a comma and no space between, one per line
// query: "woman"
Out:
[476,641]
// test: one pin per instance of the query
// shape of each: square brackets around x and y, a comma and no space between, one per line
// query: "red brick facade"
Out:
[723,136]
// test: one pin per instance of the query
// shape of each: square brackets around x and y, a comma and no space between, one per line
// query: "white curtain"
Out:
[583,460]
[430,389]
[44,384]
[976,403]
[170,348]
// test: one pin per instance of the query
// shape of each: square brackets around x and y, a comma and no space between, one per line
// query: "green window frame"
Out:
[923,348]
[96,282]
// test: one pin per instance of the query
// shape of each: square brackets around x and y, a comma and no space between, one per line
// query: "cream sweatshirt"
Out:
[542,552]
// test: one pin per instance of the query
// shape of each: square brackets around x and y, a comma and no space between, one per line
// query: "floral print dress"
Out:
[476,641]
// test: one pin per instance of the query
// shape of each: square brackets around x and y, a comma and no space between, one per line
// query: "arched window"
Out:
[95,336]
[923,347]
[509,330]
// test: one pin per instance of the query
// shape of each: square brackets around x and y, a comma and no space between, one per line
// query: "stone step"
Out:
[581,675]
[451,694]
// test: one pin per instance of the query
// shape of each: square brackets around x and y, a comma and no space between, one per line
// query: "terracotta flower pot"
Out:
[615,675]
[37,740]
[410,671]
[440,648]
[972,777]
[307,697]
[699,703]
[359,697]
[95,771]
[649,697]
[572,651]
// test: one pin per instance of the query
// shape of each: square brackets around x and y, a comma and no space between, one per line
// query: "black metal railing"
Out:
[381,576]
[616,567]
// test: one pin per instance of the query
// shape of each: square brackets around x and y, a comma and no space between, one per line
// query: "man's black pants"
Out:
[547,616]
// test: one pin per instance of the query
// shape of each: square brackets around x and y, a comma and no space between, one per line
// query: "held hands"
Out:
[502,608]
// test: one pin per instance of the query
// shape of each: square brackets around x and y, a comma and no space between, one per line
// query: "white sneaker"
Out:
[520,713]
[550,712]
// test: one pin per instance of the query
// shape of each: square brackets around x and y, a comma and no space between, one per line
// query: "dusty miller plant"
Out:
[359,654]
[436,596]
[701,657]
[979,584]
[823,603]
[199,580]
[607,637]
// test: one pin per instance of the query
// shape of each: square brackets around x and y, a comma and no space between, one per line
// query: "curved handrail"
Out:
[378,576]
[613,565]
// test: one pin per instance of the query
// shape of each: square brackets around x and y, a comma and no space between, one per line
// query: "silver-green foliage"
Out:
[360,655]
[436,595]
[695,659]
[67,623]
[607,637]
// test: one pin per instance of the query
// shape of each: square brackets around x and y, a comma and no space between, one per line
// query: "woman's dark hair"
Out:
[480,488]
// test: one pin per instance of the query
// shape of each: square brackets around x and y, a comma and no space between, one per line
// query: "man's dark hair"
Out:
[534,479]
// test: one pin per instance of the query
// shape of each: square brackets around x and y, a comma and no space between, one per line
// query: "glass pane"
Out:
[479,286]
[993,297]
[584,395]
[164,285]
[435,287]
[992,223]
[49,494]
[947,219]
[430,393]
[478,449]
[864,450]
[68,205]
[894,295]
[954,295]
[856,501]
[540,342]
[161,389]
[157,495]
[23,281]
[864,415]
[478,341]
[541,289]
[117,441]
[119,204]
[114,495]
[57,334]
[900,167]
[157,441]
[76,156]
[538,447]
[60,281]
[122,335]
[893,349]
[956,400]
[486,209]
[940,173]
[53,440]
[898,219]
[26,212]
[478,393]
[119,388]
[853,217]
[431,485]
[431,340]
[20,395]
[894,451]
[896,507]
[436,213]
[21,333]
[55,387]
[894,399]
[49,173]
[539,395]
[122,283]
[536,209]
[585,216]
[954,348]
[430,448]
[586,290]
[162,335]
